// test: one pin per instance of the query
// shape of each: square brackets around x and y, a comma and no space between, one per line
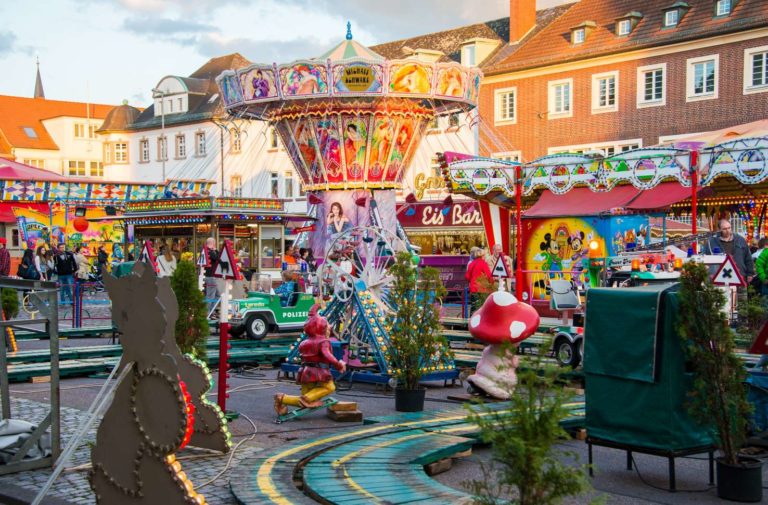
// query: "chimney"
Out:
[522,18]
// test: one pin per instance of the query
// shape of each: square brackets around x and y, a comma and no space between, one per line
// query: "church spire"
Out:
[39,93]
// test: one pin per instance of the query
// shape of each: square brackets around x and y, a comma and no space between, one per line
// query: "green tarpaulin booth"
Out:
[634,367]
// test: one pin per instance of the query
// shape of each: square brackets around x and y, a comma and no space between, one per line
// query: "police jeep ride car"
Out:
[262,313]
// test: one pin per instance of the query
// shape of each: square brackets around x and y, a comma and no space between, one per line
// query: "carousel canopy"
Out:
[350,118]
[12,170]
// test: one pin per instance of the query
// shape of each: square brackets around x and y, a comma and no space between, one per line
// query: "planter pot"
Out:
[409,400]
[742,482]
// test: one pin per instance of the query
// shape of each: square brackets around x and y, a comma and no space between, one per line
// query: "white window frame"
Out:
[200,147]
[551,86]
[162,148]
[509,156]
[641,71]
[469,55]
[667,23]
[289,183]
[623,23]
[180,146]
[144,153]
[121,155]
[690,76]
[97,170]
[497,97]
[721,3]
[235,141]
[274,139]
[579,35]
[274,185]
[80,130]
[749,70]
[596,146]
[236,183]
[596,78]
[79,170]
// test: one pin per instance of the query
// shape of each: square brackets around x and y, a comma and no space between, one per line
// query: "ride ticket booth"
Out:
[258,228]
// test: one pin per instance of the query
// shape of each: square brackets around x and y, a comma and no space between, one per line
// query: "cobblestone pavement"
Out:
[73,485]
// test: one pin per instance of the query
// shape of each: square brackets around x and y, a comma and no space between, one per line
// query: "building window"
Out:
[162,149]
[97,169]
[433,124]
[756,70]
[107,153]
[560,98]
[236,183]
[605,149]
[453,120]
[671,18]
[468,55]
[35,163]
[289,184]
[722,7]
[651,85]
[506,105]
[143,151]
[200,144]
[274,185]
[702,77]
[272,138]
[578,36]
[92,131]
[79,131]
[170,105]
[15,242]
[235,144]
[30,132]
[604,97]
[76,168]
[508,156]
[121,152]
[181,104]
[623,27]
[181,146]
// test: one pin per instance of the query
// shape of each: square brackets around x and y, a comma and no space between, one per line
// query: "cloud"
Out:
[143,25]
[189,7]
[260,51]
[9,45]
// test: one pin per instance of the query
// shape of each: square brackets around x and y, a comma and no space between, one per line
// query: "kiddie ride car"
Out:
[262,313]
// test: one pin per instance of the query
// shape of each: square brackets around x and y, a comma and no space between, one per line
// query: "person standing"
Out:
[494,257]
[211,286]
[166,263]
[82,264]
[41,264]
[477,268]
[65,267]
[727,242]
[5,259]
[101,261]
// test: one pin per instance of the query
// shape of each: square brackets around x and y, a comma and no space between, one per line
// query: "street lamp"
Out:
[163,141]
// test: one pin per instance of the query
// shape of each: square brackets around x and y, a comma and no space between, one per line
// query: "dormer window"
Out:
[468,55]
[674,13]
[671,18]
[580,33]
[627,23]
[723,7]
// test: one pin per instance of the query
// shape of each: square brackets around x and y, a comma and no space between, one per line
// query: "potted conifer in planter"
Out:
[719,396]
[415,332]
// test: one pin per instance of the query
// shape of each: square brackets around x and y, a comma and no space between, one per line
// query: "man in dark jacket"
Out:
[65,266]
[727,242]
[5,259]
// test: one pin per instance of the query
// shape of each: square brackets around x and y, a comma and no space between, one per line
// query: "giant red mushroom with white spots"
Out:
[501,320]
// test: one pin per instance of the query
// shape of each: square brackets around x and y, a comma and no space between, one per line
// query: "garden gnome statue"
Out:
[315,374]
[501,320]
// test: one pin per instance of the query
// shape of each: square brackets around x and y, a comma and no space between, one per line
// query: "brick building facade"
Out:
[577,85]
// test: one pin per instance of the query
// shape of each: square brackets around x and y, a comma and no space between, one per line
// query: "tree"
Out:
[192,325]
[416,338]
[718,397]
[524,469]
[10,302]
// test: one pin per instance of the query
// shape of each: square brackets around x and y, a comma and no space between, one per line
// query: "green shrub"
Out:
[10,301]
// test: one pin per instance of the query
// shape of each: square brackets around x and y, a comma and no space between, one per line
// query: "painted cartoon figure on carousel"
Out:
[501,322]
[315,373]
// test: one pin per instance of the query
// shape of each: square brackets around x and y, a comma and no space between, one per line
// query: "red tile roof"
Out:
[18,113]
[552,45]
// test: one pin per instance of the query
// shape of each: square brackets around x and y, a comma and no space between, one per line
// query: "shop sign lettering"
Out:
[431,215]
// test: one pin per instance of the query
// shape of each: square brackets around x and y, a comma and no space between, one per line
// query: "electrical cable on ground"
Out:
[232,454]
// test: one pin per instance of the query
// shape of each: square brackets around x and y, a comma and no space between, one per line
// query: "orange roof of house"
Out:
[18,113]
[552,45]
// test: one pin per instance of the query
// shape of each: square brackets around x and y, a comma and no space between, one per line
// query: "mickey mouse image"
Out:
[550,250]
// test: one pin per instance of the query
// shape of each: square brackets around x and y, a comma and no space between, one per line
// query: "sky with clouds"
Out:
[106,51]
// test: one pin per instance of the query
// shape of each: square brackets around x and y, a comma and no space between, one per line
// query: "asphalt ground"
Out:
[251,395]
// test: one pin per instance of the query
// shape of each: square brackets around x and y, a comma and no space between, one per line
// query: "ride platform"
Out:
[381,461]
